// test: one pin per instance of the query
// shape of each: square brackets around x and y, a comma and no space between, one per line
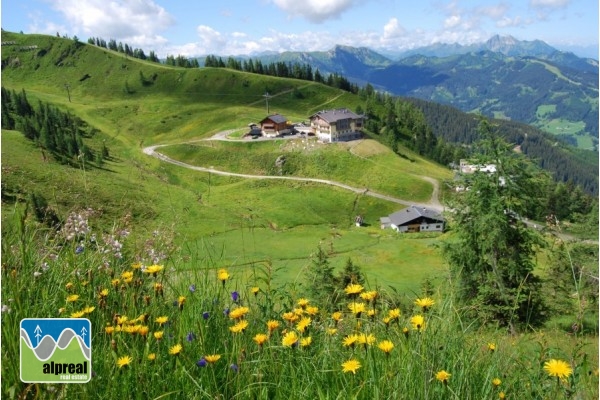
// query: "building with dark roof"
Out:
[337,125]
[275,125]
[414,219]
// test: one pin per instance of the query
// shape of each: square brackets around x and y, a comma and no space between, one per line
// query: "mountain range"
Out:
[525,81]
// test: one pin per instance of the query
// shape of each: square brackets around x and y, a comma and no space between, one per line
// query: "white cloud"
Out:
[549,3]
[315,10]
[137,22]
[452,21]
[393,30]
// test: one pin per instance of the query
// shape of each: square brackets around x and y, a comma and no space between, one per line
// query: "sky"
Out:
[248,27]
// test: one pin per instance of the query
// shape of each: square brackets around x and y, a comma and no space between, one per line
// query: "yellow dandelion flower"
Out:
[491,347]
[351,366]
[255,290]
[181,300]
[88,310]
[443,376]
[73,297]
[161,320]
[501,395]
[238,312]
[124,361]
[136,265]
[371,313]
[337,316]
[69,286]
[121,319]
[353,289]
[387,320]
[239,327]
[558,368]
[115,282]
[305,342]
[369,296]
[290,339]
[223,275]
[104,293]
[153,269]
[357,308]
[303,324]
[272,325]
[290,317]
[212,358]
[425,302]
[350,340]
[299,311]
[127,276]
[366,339]
[312,310]
[109,330]
[260,338]
[143,330]
[159,335]
[386,346]
[394,313]
[496,382]
[77,314]
[151,356]
[302,302]
[61,310]
[331,331]
[418,322]
[176,349]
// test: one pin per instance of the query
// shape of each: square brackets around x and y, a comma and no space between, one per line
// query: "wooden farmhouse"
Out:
[275,125]
[414,219]
[336,125]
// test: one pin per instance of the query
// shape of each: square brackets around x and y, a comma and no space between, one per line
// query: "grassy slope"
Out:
[250,220]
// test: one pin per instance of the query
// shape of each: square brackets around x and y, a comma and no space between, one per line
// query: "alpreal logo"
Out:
[56,350]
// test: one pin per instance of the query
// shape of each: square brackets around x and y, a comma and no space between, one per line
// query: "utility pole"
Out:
[67,86]
[266,96]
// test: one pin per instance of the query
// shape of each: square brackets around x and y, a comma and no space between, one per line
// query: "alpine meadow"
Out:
[216,263]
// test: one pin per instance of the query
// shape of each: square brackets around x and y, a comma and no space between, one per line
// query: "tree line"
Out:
[283,70]
[58,134]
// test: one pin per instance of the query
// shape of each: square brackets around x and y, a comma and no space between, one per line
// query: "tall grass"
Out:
[199,309]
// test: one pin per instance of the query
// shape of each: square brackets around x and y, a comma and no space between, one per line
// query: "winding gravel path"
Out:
[433,204]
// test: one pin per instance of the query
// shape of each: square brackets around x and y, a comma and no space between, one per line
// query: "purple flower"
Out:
[202,362]
[79,249]
[235,296]
[234,367]
[190,336]
[226,312]
[205,315]
[192,288]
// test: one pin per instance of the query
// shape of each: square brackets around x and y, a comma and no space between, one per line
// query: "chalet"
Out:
[414,219]
[275,125]
[336,125]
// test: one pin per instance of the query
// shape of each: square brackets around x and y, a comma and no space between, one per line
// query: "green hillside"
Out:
[134,103]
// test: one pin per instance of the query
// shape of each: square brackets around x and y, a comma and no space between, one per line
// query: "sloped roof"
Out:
[413,212]
[332,116]
[277,118]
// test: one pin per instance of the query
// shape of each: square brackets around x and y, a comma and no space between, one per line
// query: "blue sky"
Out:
[234,27]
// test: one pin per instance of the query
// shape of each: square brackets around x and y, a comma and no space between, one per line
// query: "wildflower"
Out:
[77,314]
[115,282]
[109,330]
[351,366]
[161,320]
[371,313]
[272,325]
[212,358]
[175,350]
[336,316]
[558,368]
[79,249]
[158,289]
[153,269]
[205,315]
[202,362]
[124,361]
[192,288]
[312,310]
[235,296]
[290,317]
[350,340]
[255,290]
[143,330]
[239,327]
[394,313]
[302,302]
[290,339]
[104,293]
[88,310]
[491,347]
[357,308]
[190,336]
[369,296]
[121,319]
[260,338]
[331,331]
[238,313]
[496,382]
[386,346]
[127,276]
[151,356]
[425,303]
[72,298]
[234,368]
[418,322]
[5,308]
[443,376]
[305,342]
[353,289]
[405,331]
[298,311]
[223,275]
[303,324]
[136,265]
[365,339]
[69,286]
[501,395]
[158,335]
